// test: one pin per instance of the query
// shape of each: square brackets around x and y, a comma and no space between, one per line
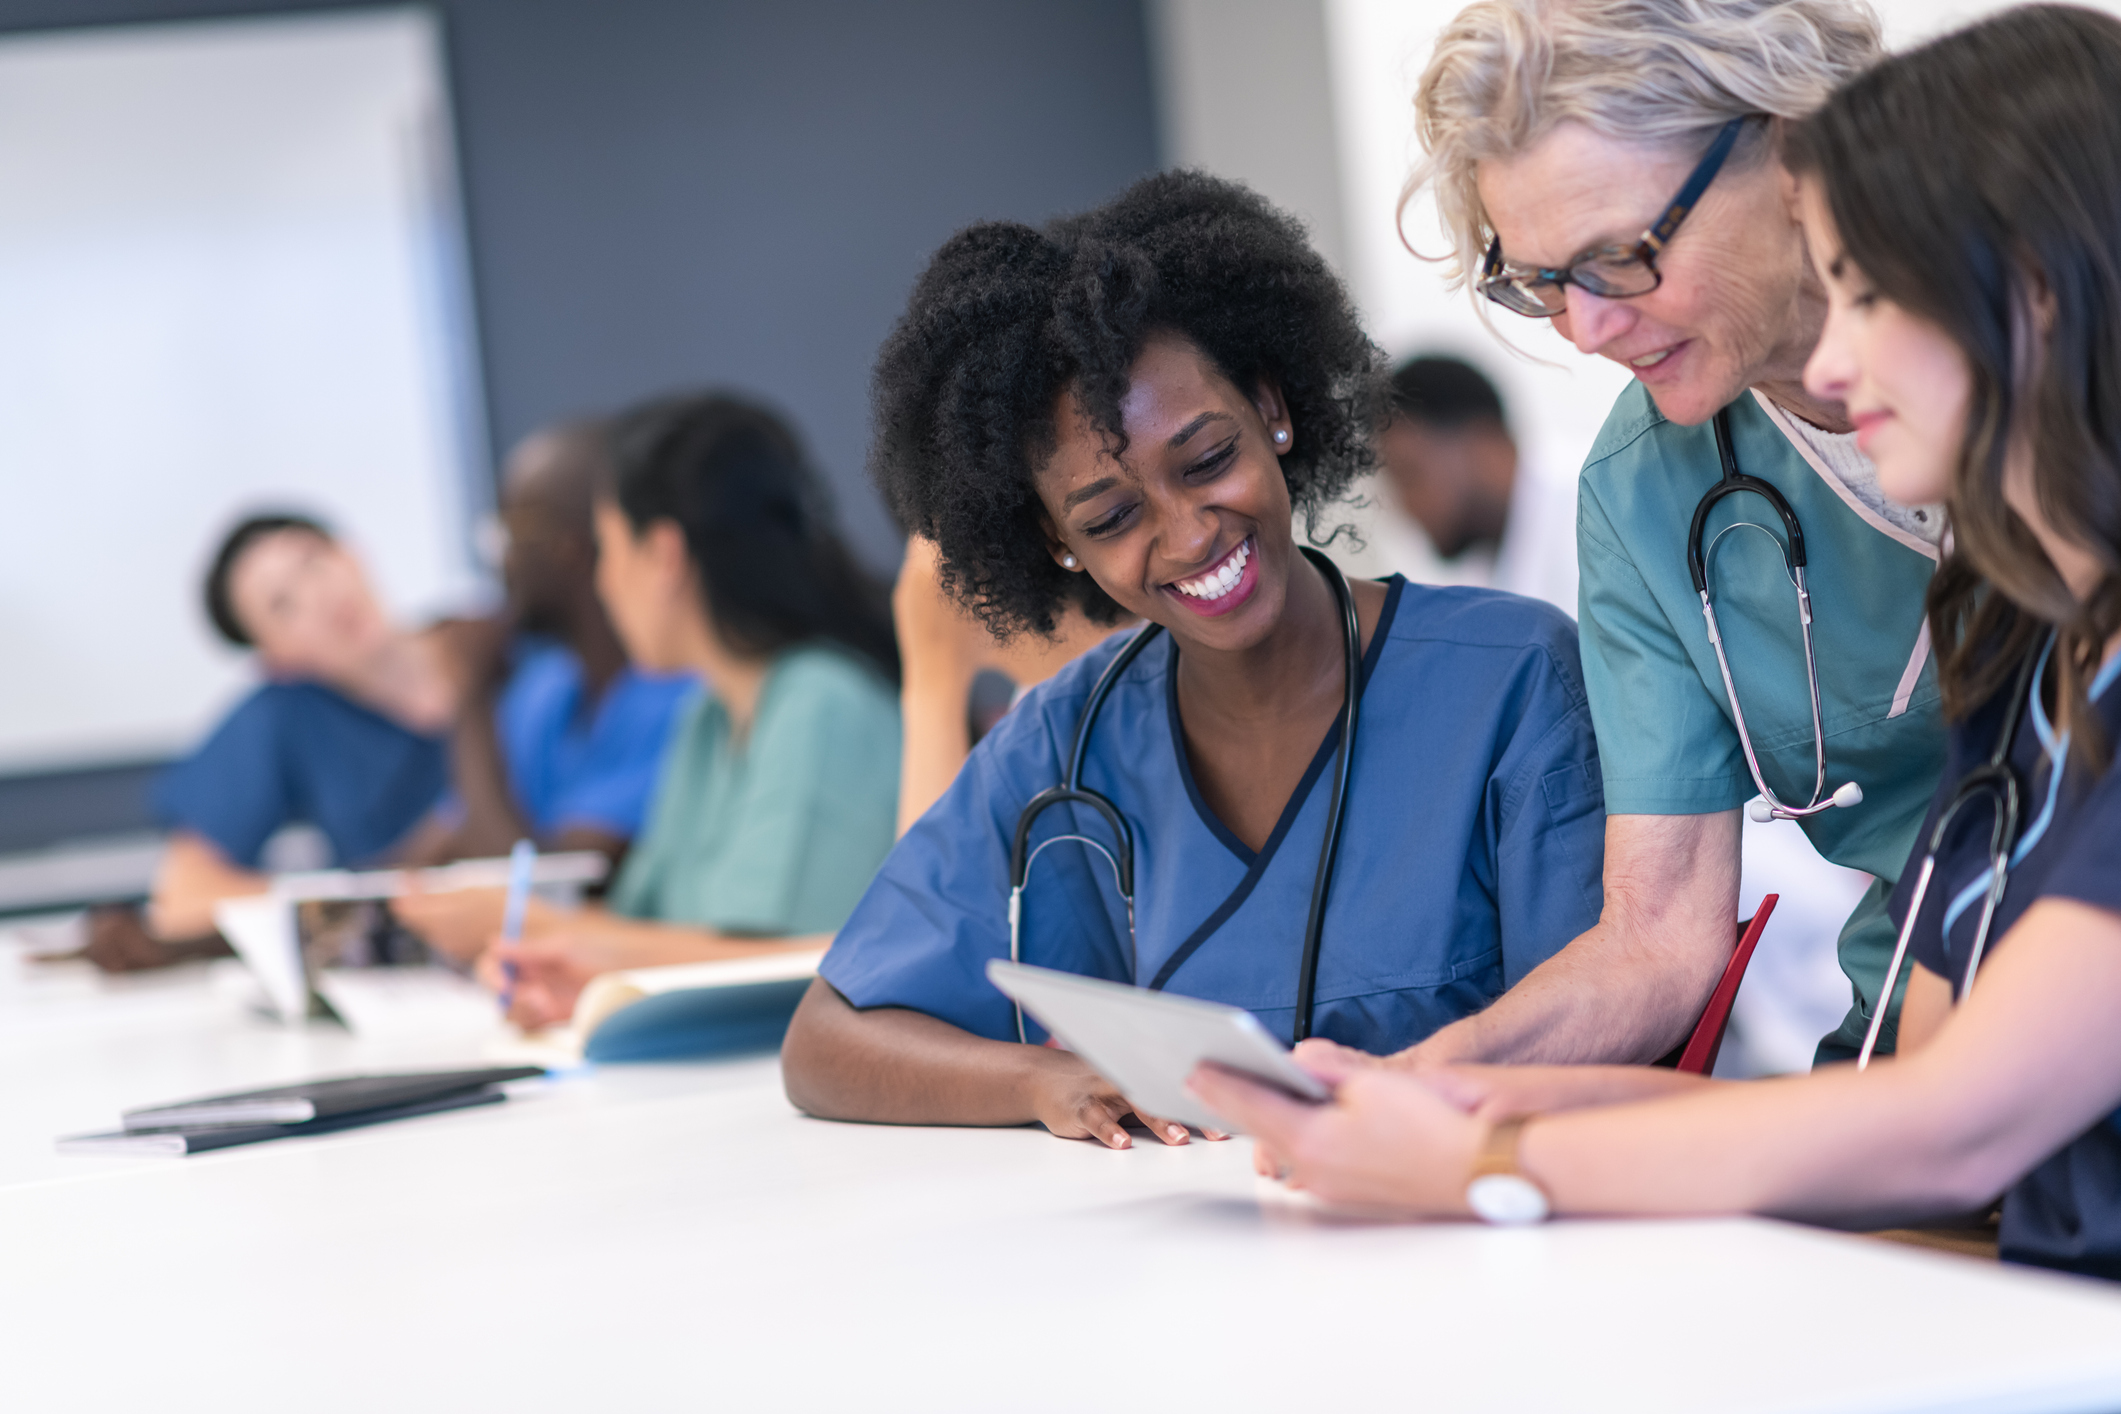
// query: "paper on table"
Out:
[262,931]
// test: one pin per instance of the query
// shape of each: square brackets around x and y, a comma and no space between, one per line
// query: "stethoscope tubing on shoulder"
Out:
[1071,790]
[1768,806]
[1995,781]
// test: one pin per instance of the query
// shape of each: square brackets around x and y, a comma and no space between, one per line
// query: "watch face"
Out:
[1506,1198]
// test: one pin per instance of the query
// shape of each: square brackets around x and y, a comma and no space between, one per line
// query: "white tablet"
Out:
[1146,1043]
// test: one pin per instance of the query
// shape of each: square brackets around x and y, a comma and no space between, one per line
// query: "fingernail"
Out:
[1121,1141]
[1214,1134]
[1176,1131]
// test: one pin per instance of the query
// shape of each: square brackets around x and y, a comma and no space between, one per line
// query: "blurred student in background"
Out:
[558,738]
[1452,503]
[348,734]
[777,801]
[363,725]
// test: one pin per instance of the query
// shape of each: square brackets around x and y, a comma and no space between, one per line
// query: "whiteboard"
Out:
[232,276]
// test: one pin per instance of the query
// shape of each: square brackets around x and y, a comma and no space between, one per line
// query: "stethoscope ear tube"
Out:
[1734,481]
[1329,849]
[1995,779]
[1768,806]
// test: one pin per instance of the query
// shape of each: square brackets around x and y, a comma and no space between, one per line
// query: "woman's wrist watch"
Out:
[1498,1190]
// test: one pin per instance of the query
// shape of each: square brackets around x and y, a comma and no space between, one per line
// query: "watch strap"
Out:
[1498,1151]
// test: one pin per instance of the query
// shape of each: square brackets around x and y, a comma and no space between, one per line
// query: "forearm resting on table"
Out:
[890,1065]
[1631,987]
[644,942]
[194,876]
[2028,1062]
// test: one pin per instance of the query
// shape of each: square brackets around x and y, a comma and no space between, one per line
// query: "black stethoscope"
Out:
[1769,806]
[1072,790]
[1996,782]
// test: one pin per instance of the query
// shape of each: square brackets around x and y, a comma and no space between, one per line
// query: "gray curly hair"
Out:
[1506,72]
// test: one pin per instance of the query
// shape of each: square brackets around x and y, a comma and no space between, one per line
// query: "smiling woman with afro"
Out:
[1006,317]
[1128,410]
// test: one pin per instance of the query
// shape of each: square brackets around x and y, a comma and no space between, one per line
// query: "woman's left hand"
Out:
[1385,1140]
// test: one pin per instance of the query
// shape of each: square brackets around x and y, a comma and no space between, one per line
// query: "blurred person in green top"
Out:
[777,801]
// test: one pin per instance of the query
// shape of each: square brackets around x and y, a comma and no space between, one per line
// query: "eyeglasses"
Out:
[1611,272]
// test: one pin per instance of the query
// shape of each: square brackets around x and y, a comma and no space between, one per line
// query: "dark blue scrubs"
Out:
[300,753]
[1472,850]
[2067,1212]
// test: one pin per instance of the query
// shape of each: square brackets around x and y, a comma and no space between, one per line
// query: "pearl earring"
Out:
[1068,561]
[1281,436]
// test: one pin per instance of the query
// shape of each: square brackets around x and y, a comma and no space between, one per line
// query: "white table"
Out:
[678,1237]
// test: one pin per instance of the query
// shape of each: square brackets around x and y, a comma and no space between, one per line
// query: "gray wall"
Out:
[671,192]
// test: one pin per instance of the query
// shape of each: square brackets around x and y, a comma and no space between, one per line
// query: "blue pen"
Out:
[520,860]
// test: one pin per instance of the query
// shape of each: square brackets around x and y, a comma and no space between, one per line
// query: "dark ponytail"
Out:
[757,522]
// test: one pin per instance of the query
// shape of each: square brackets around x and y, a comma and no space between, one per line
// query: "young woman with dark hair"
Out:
[1963,205]
[717,555]
[1120,412]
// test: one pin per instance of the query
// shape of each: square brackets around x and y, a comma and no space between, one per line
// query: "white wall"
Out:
[230,275]
[1245,90]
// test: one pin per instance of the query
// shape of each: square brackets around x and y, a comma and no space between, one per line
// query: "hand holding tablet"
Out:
[1147,1043]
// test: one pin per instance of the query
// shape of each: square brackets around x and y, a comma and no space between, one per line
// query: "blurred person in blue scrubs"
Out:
[1120,413]
[403,746]
[559,738]
[348,734]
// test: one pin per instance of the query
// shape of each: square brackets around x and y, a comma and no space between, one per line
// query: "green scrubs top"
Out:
[777,834]
[1665,734]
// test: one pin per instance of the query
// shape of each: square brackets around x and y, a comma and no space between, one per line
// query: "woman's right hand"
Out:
[1075,1102]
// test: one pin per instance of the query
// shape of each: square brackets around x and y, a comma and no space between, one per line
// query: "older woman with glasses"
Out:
[1751,604]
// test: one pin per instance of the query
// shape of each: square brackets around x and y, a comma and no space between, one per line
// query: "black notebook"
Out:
[323,1099]
[287,1111]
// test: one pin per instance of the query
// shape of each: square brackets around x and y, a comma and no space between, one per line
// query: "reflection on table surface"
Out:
[679,1236]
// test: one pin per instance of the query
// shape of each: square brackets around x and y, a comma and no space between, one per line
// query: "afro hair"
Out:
[1006,317]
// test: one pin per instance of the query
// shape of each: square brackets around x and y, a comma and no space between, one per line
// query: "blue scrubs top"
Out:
[571,769]
[1665,730]
[2067,1212]
[299,752]
[1471,853]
